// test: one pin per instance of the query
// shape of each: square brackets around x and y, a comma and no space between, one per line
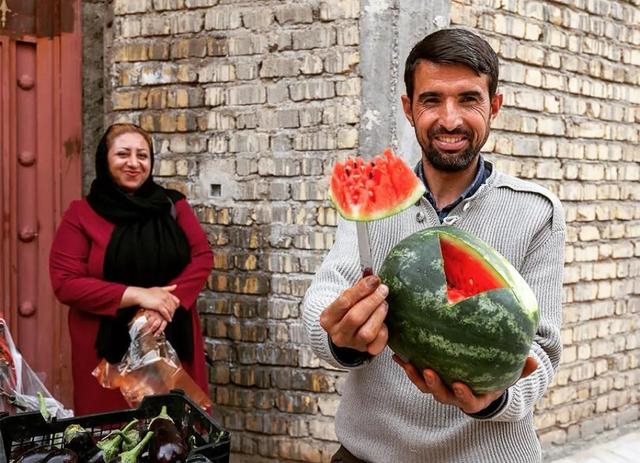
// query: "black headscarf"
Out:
[147,248]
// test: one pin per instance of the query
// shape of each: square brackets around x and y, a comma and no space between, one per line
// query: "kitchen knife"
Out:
[364,248]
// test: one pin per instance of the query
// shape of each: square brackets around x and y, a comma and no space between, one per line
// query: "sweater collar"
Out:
[483,172]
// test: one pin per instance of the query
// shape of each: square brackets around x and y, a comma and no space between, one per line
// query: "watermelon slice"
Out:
[369,190]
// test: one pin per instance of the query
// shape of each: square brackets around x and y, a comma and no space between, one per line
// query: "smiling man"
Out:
[389,411]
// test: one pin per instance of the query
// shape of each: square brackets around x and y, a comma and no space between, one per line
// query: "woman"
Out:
[130,245]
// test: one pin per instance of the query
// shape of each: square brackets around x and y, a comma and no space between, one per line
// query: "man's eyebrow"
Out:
[423,96]
[473,93]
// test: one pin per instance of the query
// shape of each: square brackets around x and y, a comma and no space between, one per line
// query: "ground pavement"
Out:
[620,449]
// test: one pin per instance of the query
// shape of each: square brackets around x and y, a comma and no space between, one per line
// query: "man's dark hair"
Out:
[454,46]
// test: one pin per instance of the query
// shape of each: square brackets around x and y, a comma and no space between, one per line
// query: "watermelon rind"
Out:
[363,191]
[359,216]
[482,340]
[496,261]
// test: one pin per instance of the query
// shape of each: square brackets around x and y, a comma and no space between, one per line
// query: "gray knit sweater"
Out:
[383,417]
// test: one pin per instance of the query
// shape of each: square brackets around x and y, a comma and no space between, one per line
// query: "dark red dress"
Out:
[75,265]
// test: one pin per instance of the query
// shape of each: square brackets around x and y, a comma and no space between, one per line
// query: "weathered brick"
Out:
[257,18]
[294,14]
[339,9]
[188,48]
[162,5]
[338,62]
[246,94]
[222,17]
[312,90]
[217,72]
[274,119]
[121,7]
[247,45]
[315,37]
[280,67]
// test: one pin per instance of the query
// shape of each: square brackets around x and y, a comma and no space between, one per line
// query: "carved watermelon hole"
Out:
[466,272]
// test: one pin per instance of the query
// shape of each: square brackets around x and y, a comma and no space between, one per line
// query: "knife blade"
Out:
[364,249]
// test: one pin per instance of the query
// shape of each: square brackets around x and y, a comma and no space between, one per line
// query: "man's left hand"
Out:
[459,395]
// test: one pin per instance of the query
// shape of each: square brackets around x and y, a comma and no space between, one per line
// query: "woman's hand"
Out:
[155,323]
[158,299]
[459,395]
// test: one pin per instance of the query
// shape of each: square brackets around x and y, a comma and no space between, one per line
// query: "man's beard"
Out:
[452,161]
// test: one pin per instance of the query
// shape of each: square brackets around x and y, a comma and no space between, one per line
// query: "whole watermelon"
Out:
[458,307]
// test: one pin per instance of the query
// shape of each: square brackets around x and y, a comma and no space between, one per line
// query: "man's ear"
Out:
[406,107]
[496,104]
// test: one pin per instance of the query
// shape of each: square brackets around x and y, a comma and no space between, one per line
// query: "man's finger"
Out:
[368,331]
[438,389]
[347,299]
[380,342]
[412,374]
[358,315]
[530,366]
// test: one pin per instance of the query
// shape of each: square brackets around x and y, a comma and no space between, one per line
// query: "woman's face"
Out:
[129,160]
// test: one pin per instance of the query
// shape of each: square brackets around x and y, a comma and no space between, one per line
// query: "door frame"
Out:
[58,134]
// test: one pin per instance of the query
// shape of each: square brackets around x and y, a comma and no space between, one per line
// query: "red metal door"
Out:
[40,127]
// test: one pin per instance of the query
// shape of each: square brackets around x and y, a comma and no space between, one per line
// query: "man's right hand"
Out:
[356,318]
[157,298]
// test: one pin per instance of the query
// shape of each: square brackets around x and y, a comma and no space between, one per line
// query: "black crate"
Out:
[27,429]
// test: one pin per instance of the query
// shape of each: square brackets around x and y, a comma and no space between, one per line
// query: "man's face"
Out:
[451,112]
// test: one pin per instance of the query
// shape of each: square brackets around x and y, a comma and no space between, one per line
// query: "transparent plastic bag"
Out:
[20,387]
[150,366]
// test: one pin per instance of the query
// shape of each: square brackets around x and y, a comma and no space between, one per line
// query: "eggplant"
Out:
[167,444]
[81,441]
[37,454]
[198,458]
[131,456]
[17,453]
[62,456]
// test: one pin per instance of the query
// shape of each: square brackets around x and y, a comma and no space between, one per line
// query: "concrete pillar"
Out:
[388,31]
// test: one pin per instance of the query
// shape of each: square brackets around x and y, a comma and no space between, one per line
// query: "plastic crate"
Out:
[26,429]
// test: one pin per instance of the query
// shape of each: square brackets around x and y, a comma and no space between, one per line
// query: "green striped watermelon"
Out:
[369,190]
[458,307]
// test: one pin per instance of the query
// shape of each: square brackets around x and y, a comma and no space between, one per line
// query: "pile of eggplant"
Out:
[161,442]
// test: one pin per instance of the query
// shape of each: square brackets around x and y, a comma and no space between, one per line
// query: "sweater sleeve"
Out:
[68,269]
[339,271]
[542,269]
[195,274]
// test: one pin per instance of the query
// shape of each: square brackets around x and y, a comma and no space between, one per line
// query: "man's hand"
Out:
[459,395]
[356,318]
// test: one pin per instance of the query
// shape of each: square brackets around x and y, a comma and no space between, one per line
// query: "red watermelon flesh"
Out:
[368,190]
[466,272]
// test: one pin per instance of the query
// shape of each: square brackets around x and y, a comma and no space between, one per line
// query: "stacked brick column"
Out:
[250,103]
[571,82]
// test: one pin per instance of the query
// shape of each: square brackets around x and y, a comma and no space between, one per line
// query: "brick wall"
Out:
[251,102]
[571,82]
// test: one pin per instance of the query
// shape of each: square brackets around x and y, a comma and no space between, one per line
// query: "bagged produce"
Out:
[150,366]
[20,388]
